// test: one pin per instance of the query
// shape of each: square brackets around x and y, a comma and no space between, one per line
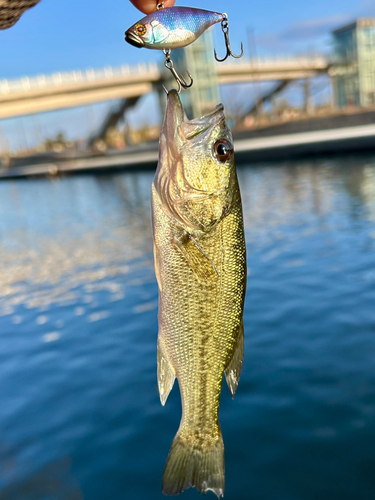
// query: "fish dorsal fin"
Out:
[233,370]
[166,374]
[202,266]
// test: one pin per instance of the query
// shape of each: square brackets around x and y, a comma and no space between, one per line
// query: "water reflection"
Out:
[79,231]
[314,186]
[83,229]
[78,325]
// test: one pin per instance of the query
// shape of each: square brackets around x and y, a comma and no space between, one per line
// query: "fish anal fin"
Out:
[202,266]
[233,370]
[166,374]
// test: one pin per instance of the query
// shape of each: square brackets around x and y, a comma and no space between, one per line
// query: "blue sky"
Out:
[75,34]
[65,35]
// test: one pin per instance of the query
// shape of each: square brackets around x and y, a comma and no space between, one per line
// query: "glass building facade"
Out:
[354,64]
[198,59]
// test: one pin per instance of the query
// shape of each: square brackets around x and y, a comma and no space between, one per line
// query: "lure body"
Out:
[171,28]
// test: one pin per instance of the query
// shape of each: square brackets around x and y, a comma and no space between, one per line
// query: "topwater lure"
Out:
[174,28]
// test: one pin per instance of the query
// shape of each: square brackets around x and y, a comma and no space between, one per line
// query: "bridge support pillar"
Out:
[113,117]
[309,104]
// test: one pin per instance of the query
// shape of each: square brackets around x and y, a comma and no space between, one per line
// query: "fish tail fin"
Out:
[201,467]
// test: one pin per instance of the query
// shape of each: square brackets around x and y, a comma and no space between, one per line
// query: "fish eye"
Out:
[223,150]
[140,29]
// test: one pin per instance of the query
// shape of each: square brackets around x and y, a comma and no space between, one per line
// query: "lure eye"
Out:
[140,29]
[223,150]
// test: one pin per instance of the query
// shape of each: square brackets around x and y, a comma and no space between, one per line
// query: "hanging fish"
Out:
[200,265]
[171,28]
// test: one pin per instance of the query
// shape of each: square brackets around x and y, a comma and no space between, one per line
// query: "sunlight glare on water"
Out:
[80,416]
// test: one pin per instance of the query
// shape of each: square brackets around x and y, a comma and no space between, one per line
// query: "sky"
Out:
[67,35]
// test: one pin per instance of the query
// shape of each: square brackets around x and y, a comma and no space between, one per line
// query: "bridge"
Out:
[31,95]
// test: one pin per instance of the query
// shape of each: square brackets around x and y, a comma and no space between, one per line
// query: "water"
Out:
[80,416]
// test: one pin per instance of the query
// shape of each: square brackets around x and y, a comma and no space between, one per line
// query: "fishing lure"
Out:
[176,27]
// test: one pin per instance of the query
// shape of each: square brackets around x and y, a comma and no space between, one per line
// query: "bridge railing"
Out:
[109,73]
[283,60]
[89,75]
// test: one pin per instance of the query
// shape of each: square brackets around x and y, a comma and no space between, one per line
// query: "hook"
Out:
[159,5]
[178,90]
[225,29]
[179,79]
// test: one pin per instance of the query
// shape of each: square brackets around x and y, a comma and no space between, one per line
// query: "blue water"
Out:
[80,416]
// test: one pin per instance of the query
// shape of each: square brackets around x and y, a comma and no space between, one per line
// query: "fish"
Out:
[171,28]
[200,267]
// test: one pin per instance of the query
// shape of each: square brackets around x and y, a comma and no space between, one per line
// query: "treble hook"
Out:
[225,29]
[179,79]
[178,90]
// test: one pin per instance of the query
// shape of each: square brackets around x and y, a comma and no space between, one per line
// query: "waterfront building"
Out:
[354,64]
[198,59]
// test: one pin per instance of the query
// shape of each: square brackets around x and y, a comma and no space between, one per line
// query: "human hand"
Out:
[148,6]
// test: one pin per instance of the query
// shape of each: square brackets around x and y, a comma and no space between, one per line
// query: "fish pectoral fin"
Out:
[166,374]
[202,266]
[233,370]
[157,267]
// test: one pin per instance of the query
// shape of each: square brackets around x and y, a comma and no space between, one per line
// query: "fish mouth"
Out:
[134,39]
[176,111]
[219,108]
[175,117]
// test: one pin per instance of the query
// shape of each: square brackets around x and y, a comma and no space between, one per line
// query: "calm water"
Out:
[80,416]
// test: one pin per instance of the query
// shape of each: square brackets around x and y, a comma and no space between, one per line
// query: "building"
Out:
[354,64]
[198,60]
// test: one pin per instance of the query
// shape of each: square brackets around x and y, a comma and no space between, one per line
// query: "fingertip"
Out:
[148,6]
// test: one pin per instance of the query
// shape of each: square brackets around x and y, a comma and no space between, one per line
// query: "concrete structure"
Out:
[354,70]
[258,104]
[278,147]
[112,118]
[67,90]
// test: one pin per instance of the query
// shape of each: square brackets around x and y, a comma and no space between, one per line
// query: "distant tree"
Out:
[60,137]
